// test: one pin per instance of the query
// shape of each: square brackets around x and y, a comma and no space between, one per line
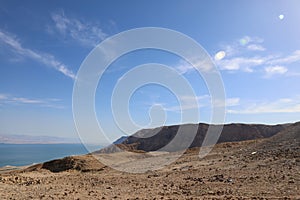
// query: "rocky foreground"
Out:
[253,169]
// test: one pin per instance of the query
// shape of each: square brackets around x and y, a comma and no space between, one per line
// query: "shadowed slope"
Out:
[154,139]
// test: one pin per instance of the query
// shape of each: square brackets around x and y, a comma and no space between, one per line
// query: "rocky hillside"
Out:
[278,142]
[154,139]
[284,144]
[288,136]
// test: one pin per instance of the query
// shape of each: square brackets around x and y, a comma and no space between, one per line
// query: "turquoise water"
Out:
[27,154]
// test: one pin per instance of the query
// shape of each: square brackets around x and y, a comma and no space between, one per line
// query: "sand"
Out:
[230,171]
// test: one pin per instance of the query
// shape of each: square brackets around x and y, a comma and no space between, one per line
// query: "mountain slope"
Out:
[285,144]
[154,139]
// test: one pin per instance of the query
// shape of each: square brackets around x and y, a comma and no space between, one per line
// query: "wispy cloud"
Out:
[3,96]
[284,105]
[239,57]
[13,100]
[256,47]
[191,102]
[272,70]
[245,43]
[246,40]
[271,64]
[203,65]
[26,100]
[85,33]
[184,67]
[230,102]
[235,60]
[294,57]
[44,58]
[229,57]
[241,63]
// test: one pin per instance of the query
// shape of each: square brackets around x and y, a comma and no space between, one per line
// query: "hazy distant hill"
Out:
[28,139]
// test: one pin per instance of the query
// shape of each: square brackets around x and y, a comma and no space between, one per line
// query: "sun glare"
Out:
[281,17]
[220,55]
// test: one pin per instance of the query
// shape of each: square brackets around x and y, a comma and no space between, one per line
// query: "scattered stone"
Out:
[291,181]
[194,179]
[218,177]
[229,180]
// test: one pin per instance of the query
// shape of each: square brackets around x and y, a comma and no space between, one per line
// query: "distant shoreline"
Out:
[43,143]
[18,155]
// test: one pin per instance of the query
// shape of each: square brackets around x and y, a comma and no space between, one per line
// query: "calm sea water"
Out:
[27,154]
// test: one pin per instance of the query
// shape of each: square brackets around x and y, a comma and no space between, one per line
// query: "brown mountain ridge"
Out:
[154,139]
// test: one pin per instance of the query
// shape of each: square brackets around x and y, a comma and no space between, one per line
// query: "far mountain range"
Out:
[29,139]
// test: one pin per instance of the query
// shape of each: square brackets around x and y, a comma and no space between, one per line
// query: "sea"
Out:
[28,154]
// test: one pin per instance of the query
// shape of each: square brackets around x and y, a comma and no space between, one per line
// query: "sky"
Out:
[255,45]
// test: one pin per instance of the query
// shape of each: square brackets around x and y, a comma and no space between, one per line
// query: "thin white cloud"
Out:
[272,64]
[243,44]
[284,105]
[230,50]
[191,102]
[26,100]
[13,100]
[203,65]
[231,57]
[241,63]
[43,58]
[294,57]
[184,68]
[256,47]
[85,33]
[237,58]
[273,70]
[229,102]
[232,102]
[3,96]
[248,39]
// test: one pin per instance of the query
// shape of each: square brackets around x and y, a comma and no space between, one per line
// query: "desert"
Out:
[265,168]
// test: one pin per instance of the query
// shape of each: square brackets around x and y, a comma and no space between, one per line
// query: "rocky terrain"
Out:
[265,168]
[154,139]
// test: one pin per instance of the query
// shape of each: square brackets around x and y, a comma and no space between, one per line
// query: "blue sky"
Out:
[255,45]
